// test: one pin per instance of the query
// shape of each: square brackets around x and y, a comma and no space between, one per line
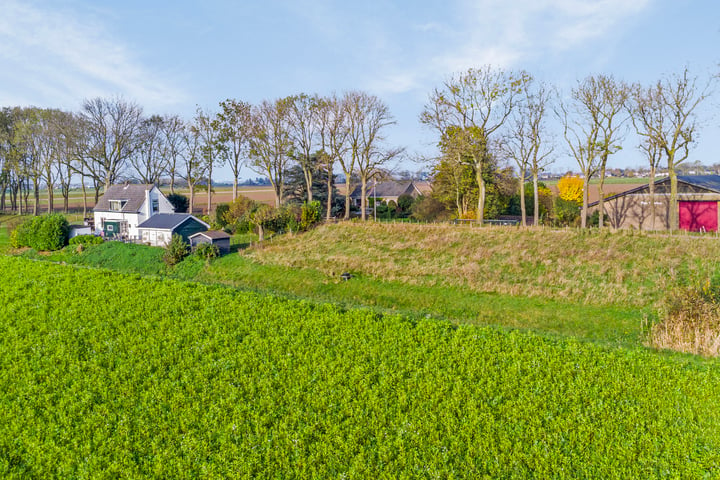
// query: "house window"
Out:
[117,205]
[155,205]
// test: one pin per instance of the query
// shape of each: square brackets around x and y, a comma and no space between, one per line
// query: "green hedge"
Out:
[43,233]
[86,240]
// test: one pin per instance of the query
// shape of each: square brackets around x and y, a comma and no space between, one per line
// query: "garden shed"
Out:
[159,229]
[214,237]
[698,197]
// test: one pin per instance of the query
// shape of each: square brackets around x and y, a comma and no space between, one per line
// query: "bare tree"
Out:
[173,133]
[235,124]
[270,144]
[527,142]
[478,102]
[664,116]
[368,118]
[111,127]
[581,129]
[304,129]
[193,163]
[333,141]
[206,127]
[150,160]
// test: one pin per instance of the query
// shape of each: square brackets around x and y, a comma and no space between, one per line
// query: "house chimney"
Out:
[148,203]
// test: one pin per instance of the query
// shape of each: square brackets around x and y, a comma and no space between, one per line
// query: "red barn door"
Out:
[699,216]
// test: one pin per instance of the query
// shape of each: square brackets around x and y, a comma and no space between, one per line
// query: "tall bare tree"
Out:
[304,129]
[478,102]
[173,134]
[270,144]
[111,127]
[235,131]
[527,142]
[193,163]
[206,127]
[150,160]
[368,118]
[333,133]
[665,117]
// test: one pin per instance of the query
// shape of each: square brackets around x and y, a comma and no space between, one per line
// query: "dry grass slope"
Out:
[596,268]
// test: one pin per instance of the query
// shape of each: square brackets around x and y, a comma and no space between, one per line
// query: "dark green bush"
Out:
[179,202]
[221,214]
[86,240]
[206,251]
[565,212]
[176,250]
[42,233]
[310,215]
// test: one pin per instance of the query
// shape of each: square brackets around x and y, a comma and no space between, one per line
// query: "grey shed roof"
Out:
[707,182]
[387,189]
[169,221]
[212,234]
[134,194]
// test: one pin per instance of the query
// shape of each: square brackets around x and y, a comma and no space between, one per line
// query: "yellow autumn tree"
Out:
[570,187]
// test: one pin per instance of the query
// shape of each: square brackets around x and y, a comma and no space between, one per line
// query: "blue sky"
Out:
[171,57]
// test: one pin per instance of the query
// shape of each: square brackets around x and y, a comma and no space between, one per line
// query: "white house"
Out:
[123,207]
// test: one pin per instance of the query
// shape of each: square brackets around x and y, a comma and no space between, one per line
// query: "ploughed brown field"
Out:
[221,195]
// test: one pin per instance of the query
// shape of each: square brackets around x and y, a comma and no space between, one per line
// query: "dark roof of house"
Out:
[707,182]
[212,234]
[168,221]
[387,189]
[134,194]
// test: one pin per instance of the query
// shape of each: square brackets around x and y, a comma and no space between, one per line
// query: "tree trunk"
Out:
[84,190]
[523,214]
[481,194]
[261,232]
[36,198]
[586,187]
[536,198]
[363,200]
[191,186]
[329,196]
[209,187]
[347,196]
[651,187]
[674,221]
[235,187]
[51,199]
[601,196]
[308,181]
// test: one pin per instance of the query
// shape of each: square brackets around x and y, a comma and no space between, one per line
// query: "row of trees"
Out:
[110,140]
[487,115]
[483,117]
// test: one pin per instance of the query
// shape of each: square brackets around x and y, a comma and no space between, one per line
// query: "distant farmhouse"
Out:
[390,191]
[123,207]
[698,197]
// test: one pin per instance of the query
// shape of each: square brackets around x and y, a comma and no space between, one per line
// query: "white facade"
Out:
[155,202]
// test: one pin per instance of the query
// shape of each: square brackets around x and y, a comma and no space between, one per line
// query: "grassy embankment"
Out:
[597,286]
[104,375]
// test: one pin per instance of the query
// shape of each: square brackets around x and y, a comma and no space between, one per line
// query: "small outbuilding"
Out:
[214,237]
[159,229]
[698,197]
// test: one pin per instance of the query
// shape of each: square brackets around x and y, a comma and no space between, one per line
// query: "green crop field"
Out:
[111,375]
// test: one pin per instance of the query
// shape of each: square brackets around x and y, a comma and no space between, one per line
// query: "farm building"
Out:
[391,191]
[698,197]
[159,229]
[123,208]
[214,237]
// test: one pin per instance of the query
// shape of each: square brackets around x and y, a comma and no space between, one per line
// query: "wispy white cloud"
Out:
[507,34]
[58,57]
